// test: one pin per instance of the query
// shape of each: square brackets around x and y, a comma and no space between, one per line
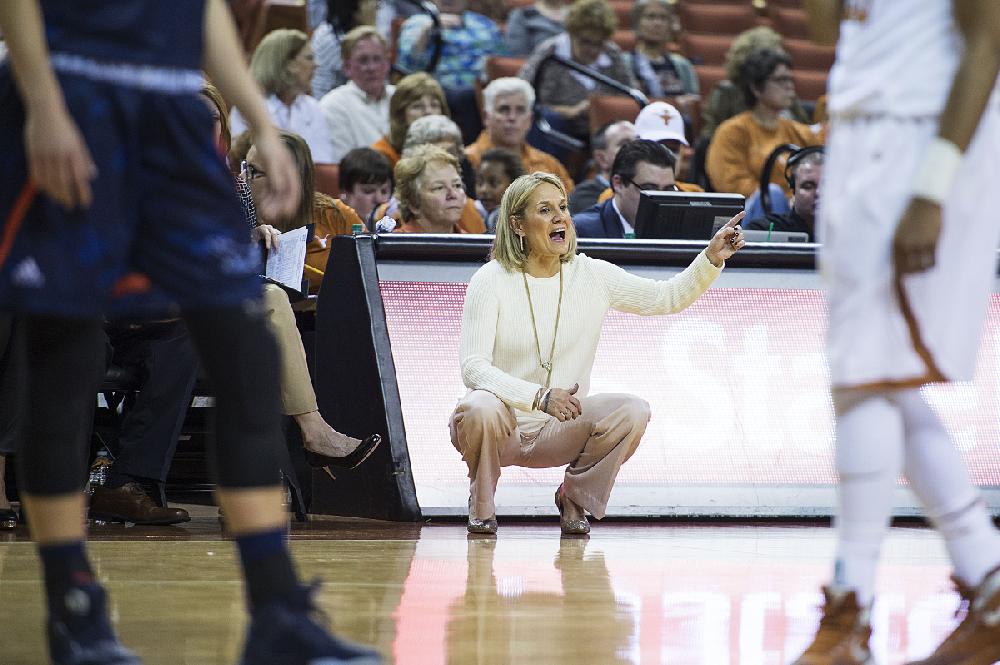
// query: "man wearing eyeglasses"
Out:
[640,164]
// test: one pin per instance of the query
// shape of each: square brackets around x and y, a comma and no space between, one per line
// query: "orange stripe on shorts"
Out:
[15,219]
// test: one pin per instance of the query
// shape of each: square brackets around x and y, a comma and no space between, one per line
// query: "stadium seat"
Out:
[623,11]
[611,108]
[809,85]
[790,23]
[708,77]
[729,19]
[625,39]
[498,66]
[327,177]
[705,49]
[277,14]
[807,55]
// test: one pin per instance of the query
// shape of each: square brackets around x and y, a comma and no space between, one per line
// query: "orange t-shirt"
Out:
[332,217]
[383,146]
[532,158]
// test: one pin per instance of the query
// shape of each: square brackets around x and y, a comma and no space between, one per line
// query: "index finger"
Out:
[737,218]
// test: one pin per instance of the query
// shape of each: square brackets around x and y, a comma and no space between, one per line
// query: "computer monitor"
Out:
[690,215]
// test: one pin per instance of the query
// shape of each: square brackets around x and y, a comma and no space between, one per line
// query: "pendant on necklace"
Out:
[547,367]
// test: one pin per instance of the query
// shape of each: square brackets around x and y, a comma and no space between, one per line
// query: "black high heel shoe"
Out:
[359,455]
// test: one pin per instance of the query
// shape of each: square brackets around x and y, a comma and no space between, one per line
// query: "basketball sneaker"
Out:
[976,640]
[82,634]
[844,632]
[288,634]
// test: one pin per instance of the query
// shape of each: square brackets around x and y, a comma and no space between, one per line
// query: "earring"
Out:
[521,238]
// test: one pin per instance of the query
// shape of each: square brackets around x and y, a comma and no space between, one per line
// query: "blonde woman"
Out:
[416,95]
[530,328]
[283,65]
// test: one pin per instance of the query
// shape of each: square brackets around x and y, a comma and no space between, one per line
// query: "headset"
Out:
[797,155]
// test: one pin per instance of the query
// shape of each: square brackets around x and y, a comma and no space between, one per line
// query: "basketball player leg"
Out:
[240,356]
[66,363]
[869,459]
[940,479]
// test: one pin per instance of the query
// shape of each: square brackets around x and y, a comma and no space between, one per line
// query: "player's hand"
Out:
[727,241]
[916,239]
[282,187]
[266,234]
[563,405]
[59,162]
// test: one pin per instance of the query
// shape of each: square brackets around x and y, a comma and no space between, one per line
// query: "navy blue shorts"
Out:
[165,228]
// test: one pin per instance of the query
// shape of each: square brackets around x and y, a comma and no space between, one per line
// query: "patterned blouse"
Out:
[463,52]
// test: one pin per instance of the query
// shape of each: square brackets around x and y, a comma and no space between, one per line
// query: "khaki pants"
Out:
[297,394]
[595,445]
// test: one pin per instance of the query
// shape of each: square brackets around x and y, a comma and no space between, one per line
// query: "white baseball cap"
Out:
[660,121]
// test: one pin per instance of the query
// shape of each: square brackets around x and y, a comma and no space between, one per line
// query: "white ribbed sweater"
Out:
[497,348]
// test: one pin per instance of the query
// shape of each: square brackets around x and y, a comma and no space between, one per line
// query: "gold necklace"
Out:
[547,366]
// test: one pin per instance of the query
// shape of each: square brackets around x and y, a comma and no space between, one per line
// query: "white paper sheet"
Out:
[286,264]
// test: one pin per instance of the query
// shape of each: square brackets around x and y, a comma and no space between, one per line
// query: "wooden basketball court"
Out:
[633,592]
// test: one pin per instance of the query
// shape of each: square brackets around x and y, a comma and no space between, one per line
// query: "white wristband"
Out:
[937,171]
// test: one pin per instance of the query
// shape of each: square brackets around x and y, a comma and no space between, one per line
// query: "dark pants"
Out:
[11,385]
[166,361]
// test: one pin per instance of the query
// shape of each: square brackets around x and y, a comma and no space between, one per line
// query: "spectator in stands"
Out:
[339,18]
[806,175]
[640,164]
[283,65]
[604,144]
[357,113]
[365,182]
[726,99]
[742,144]
[530,25]
[324,445]
[430,192]
[530,326]
[442,132]
[416,95]
[497,169]
[564,94]
[467,39]
[507,116]
[660,72]
[662,122]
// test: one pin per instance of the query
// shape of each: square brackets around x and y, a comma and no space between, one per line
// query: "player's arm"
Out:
[917,235]
[59,163]
[824,20]
[224,65]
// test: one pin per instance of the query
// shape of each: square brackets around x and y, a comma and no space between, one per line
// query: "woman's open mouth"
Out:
[559,235]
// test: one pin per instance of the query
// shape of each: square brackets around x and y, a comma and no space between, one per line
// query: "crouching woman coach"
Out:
[530,328]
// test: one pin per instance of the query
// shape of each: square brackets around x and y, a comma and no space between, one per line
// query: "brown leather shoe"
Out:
[976,640]
[843,635]
[130,503]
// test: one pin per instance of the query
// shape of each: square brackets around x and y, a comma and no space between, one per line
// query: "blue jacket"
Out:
[600,221]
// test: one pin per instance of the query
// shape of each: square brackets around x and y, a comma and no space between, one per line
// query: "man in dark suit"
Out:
[639,165]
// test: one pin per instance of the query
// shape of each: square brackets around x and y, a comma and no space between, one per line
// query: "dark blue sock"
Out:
[65,566]
[268,568]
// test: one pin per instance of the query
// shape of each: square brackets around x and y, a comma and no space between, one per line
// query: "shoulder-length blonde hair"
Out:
[410,89]
[409,170]
[506,244]
[269,64]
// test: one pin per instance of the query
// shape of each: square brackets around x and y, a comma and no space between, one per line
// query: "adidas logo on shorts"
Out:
[27,273]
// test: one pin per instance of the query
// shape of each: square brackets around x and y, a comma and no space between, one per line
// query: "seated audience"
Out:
[726,98]
[430,192]
[283,65]
[604,144]
[365,181]
[640,164]
[497,169]
[330,217]
[661,122]
[416,95]
[357,113]
[565,94]
[660,72]
[339,18]
[467,39]
[324,445]
[507,117]
[530,25]
[742,144]
[806,174]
